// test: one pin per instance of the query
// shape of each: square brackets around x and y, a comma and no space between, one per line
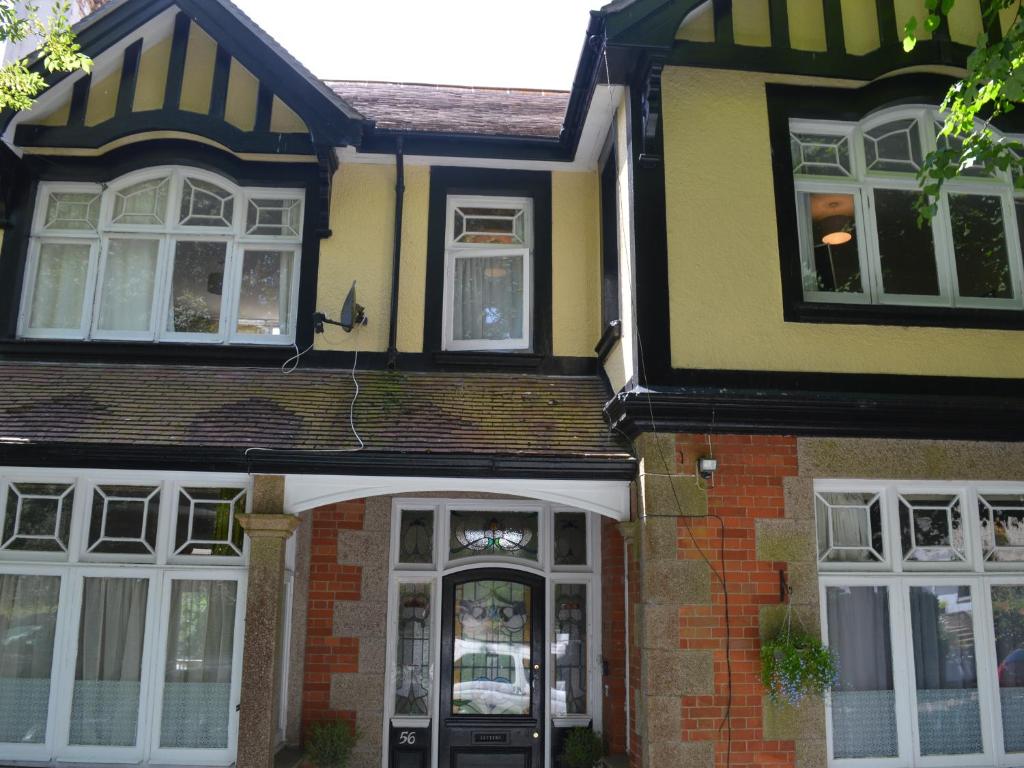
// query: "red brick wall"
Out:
[747,487]
[613,636]
[329,581]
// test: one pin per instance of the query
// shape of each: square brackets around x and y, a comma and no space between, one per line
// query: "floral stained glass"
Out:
[512,534]
[569,649]
[412,662]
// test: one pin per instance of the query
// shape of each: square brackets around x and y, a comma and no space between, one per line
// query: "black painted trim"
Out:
[219,85]
[264,108]
[611,334]
[835,37]
[722,14]
[79,101]
[176,63]
[609,200]
[445,181]
[786,102]
[129,78]
[376,463]
[888,29]
[778,11]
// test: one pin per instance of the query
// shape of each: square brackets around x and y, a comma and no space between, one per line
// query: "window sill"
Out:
[520,360]
[878,314]
[148,351]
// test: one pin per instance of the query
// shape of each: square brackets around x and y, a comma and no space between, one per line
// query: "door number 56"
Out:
[407,737]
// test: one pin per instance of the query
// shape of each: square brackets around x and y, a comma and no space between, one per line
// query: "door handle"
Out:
[536,667]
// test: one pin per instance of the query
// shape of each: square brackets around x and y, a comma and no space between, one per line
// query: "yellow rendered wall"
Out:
[575,263]
[103,98]
[243,91]
[198,80]
[152,78]
[724,280]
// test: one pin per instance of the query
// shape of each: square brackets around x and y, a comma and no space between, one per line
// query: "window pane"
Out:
[836,262]
[863,699]
[819,154]
[28,621]
[129,273]
[1002,527]
[570,538]
[143,203]
[58,295]
[507,534]
[849,527]
[105,701]
[907,251]
[206,522]
[263,304]
[197,674]
[268,216]
[979,242]
[949,722]
[569,696]
[1008,619]
[196,287]
[495,226]
[72,210]
[894,146]
[205,205]
[931,528]
[488,298]
[38,517]
[416,537]
[123,520]
[413,654]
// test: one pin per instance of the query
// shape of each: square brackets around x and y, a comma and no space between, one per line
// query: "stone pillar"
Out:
[268,529]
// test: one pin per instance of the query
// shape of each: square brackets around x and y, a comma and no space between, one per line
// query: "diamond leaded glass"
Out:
[820,154]
[931,528]
[37,517]
[893,146]
[205,205]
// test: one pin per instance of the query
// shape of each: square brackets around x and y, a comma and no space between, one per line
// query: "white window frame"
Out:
[168,233]
[454,251]
[418,573]
[898,576]
[76,564]
[862,184]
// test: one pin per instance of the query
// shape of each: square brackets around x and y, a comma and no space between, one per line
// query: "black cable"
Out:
[720,576]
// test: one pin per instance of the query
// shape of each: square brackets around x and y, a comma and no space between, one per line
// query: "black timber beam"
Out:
[129,78]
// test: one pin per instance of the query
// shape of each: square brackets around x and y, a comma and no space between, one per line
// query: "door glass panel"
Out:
[412,665]
[490,760]
[28,620]
[1008,620]
[491,668]
[416,537]
[570,538]
[197,675]
[863,699]
[512,534]
[108,673]
[949,722]
[569,696]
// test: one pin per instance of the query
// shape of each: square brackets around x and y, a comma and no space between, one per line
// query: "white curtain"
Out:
[105,705]
[28,620]
[60,286]
[197,681]
[488,298]
[126,298]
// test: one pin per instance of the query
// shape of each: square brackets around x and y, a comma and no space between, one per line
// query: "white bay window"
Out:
[922,600]
[167,254]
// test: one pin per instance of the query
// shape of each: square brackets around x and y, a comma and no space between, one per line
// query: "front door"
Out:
[492,674]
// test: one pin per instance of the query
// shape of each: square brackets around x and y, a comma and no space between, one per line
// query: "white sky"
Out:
[524,43]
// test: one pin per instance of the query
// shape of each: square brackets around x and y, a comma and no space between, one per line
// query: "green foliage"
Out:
[60,53]
[795,665]
[993,86]
[582,748]
[329,744]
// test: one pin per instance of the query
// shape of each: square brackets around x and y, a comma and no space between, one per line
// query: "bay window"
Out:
[166,254]
[859,238]
[922,600]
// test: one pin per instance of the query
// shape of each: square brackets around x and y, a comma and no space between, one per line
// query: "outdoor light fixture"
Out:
[706,467]
[836,230]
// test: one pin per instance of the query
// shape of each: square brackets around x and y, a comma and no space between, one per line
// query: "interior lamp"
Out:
[836,230]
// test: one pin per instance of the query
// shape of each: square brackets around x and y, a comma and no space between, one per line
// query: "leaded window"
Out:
[486,533]
[37,517]
[123,520]
[860,238]
[206,523]
[168,254]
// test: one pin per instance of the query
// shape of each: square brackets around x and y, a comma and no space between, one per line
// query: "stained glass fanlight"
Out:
[509,534]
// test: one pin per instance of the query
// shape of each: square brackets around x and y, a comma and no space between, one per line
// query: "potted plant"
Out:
[582,748]
[329,744]
[795,665]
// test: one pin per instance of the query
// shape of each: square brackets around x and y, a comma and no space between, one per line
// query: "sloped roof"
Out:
[456,109]
[306,410]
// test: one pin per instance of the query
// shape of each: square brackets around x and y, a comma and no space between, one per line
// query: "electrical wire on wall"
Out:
[719,573]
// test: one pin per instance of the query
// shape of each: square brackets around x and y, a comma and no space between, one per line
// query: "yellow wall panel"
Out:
[860,27]
[243,90]
[1007,15]
[575,263]
[284,120]
[965,22]
[198,80]
[152,79]
[699,25]
[412,281]
[751,24]
[724,280]
[905,9]
[807,24]
[103,98]
[58,116]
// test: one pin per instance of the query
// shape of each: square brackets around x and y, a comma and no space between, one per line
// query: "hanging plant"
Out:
[795,665]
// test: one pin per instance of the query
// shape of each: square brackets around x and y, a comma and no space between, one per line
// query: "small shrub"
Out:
[582,748]
[329,744]
[796,665]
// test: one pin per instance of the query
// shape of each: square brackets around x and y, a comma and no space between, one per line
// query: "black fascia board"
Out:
[376,463]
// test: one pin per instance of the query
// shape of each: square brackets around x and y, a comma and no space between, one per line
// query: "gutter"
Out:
[396,255]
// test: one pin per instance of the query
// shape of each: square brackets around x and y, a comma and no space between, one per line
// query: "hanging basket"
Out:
[796,665]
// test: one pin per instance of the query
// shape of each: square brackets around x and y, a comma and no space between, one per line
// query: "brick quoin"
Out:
[747,487]
[329,582]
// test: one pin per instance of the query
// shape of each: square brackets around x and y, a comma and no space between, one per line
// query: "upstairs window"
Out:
[487,288]
[170,254]
[860,243]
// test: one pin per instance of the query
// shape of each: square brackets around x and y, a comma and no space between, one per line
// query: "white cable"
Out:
[287,366]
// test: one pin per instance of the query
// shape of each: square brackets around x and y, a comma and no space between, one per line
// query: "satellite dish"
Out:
[352,314]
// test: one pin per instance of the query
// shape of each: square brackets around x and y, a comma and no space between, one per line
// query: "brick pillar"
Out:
[268,529]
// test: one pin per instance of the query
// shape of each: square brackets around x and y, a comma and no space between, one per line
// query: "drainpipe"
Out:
[396,258]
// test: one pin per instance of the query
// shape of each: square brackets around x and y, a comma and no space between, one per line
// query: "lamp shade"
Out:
[836,230]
